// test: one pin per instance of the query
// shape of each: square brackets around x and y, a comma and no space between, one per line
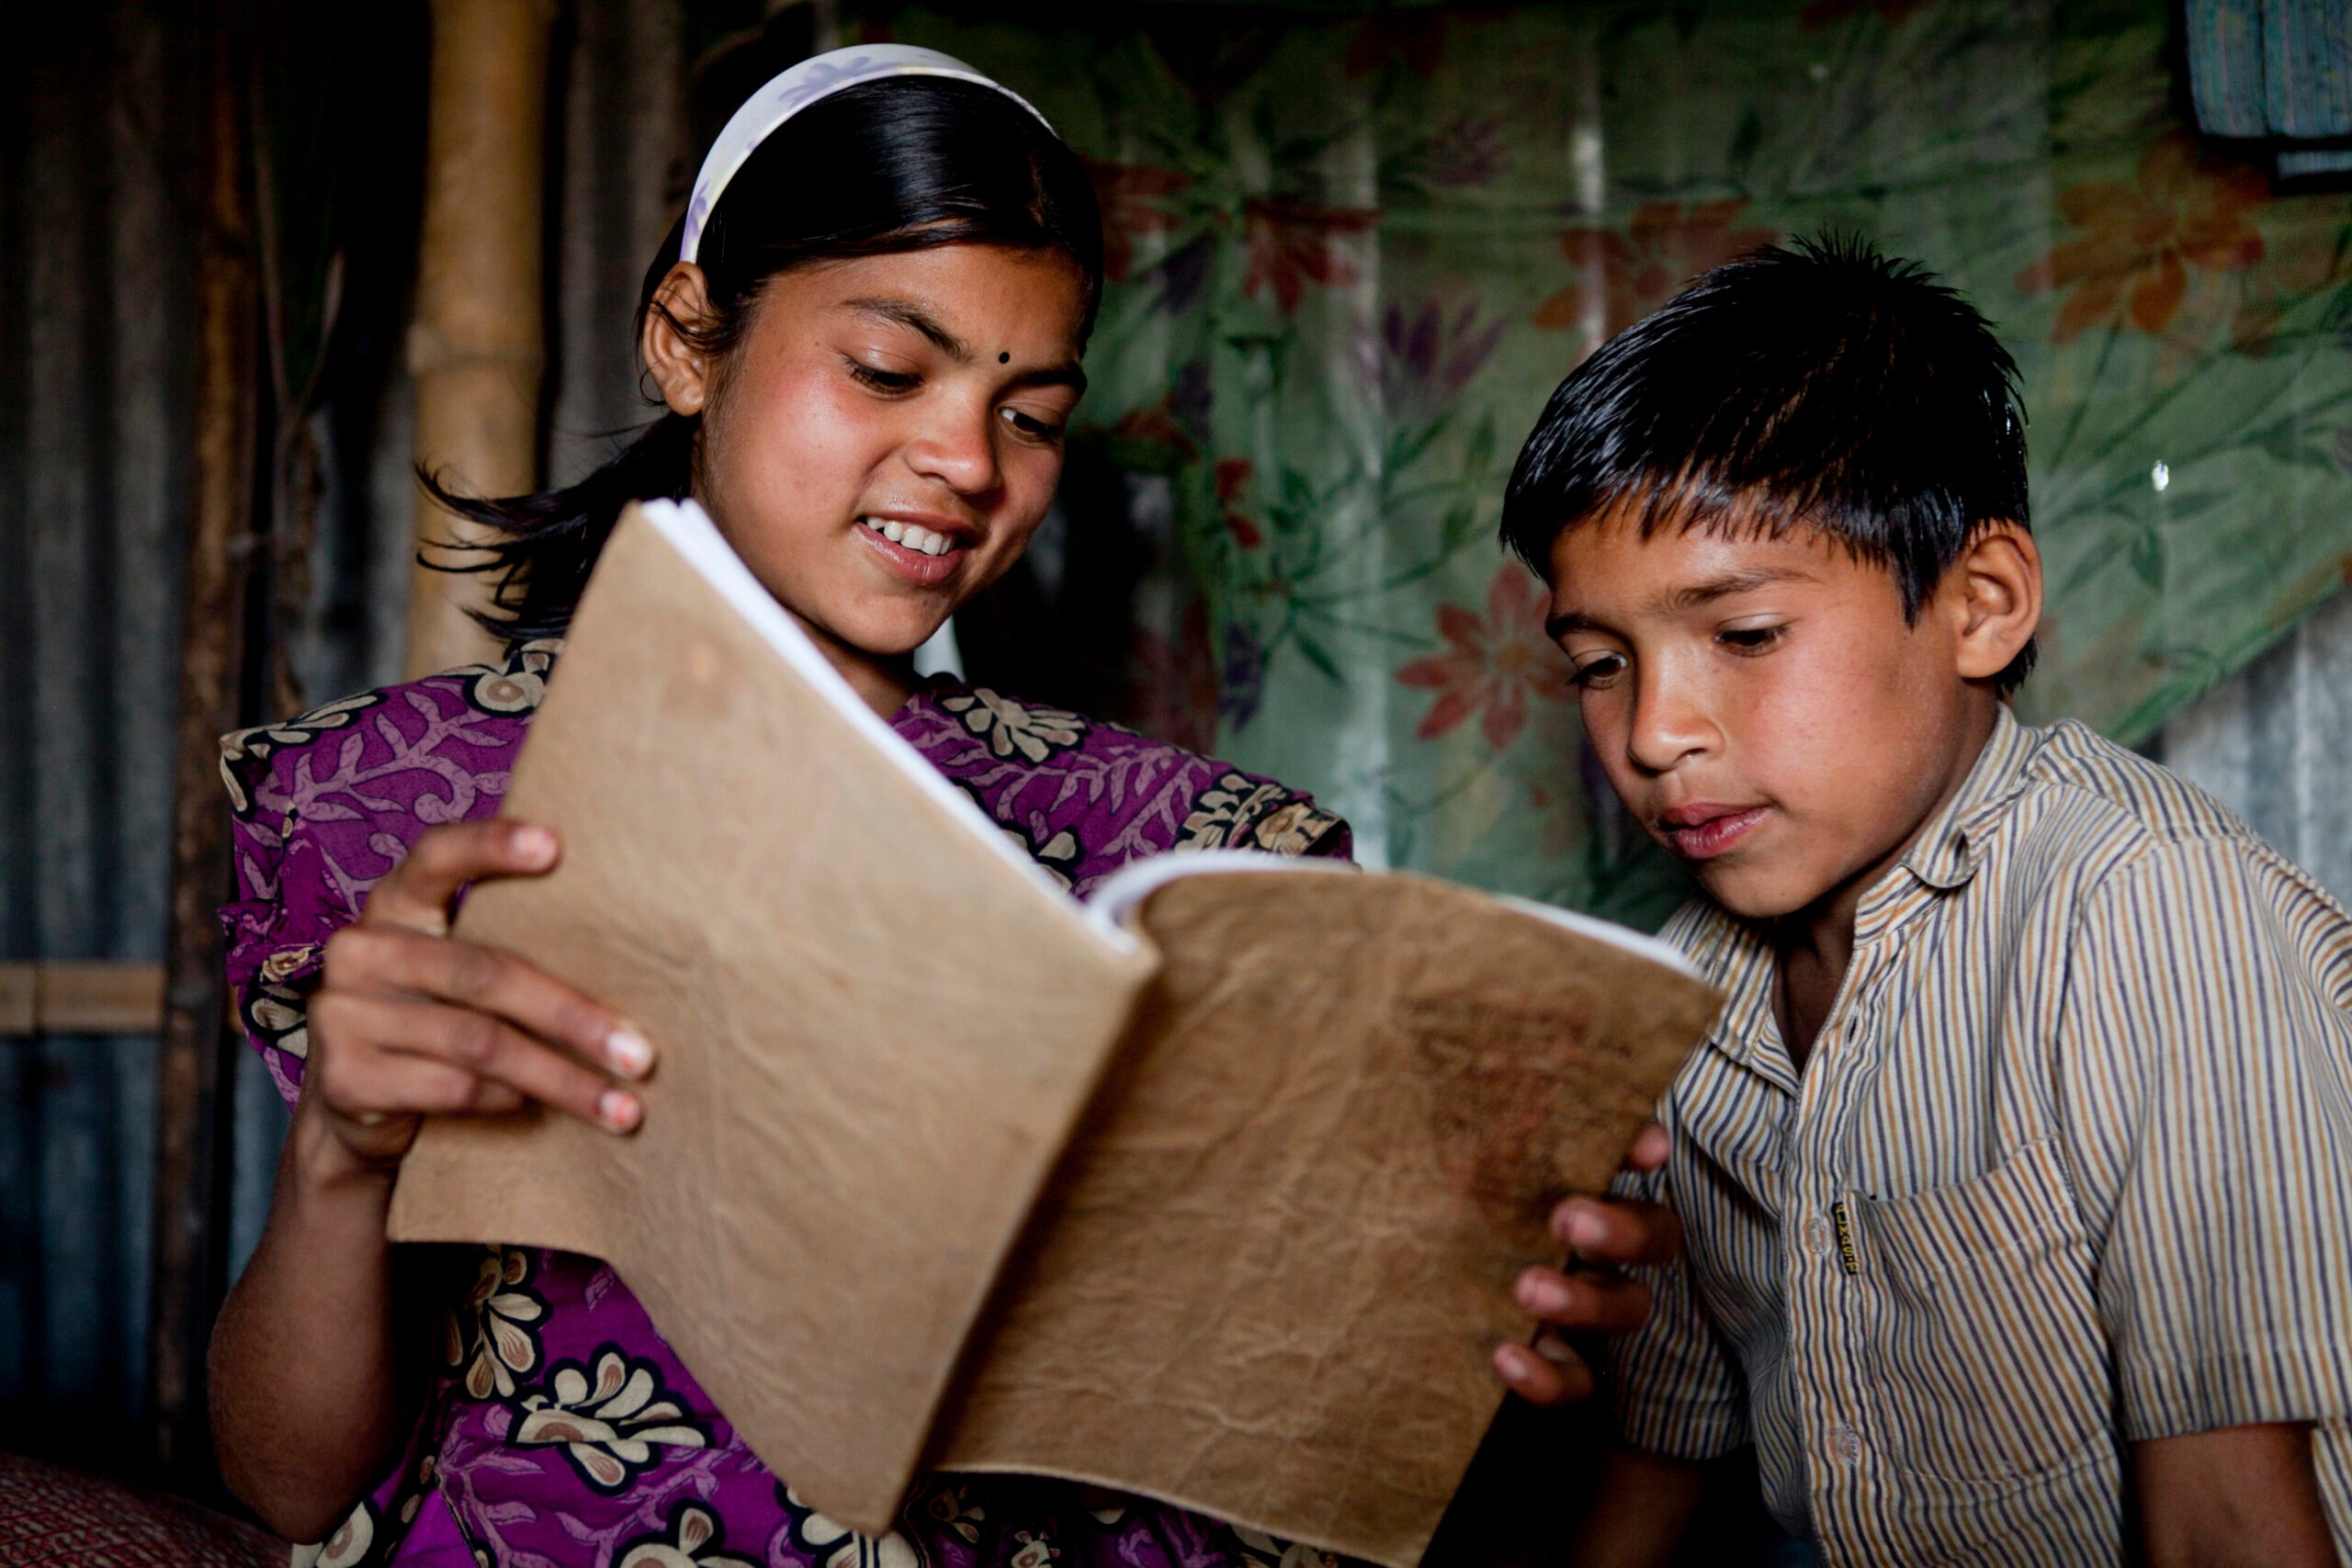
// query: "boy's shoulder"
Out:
[2057,812]
[2076,782]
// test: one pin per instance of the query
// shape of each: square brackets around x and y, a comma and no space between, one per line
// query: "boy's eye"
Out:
[881,381]
[1749,639]
[1028,426]
[1595,670]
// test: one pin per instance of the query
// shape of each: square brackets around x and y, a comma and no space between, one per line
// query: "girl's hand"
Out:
[1612,1233]
[410,1021]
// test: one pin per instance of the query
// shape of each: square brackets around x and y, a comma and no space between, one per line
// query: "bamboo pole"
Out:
[475,348]
[104,996]
[190,1266]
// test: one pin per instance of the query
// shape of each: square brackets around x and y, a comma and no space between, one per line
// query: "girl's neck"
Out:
[883,682]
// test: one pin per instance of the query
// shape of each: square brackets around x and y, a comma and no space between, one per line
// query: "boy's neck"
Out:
[1814,946]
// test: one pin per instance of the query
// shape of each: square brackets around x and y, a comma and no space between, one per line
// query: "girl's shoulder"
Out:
[323,805]
[1086,796]
[403,757]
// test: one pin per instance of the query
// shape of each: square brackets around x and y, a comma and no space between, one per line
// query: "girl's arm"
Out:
[308,1402]
[311,1393]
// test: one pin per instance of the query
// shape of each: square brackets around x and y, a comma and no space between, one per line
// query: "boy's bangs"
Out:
[1709,502]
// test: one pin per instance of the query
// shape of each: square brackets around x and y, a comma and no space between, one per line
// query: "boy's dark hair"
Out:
[1824,385]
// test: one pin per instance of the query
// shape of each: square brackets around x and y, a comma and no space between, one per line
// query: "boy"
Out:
[2018,1171]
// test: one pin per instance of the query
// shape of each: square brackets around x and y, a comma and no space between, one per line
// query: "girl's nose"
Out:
[956,446]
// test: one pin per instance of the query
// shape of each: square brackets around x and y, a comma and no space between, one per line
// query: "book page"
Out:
[877,1022]
[1267,1281]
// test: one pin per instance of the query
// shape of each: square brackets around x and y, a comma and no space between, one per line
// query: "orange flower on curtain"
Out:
[1292,243]
[2187,209]
[1233,476]
[1129,194]
[1663,247]
[1494,663]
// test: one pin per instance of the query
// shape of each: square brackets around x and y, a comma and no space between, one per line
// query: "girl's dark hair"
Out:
[1825,386]
[900,164]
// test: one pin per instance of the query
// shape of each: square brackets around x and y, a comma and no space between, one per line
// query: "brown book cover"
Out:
[1212,1190]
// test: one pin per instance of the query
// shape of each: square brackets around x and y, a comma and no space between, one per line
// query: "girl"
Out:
[866,332]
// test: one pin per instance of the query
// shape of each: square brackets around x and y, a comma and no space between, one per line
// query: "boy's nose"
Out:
[1669,725]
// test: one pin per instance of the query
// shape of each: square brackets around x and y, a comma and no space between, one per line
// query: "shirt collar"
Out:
[1944,856]
[1949,848]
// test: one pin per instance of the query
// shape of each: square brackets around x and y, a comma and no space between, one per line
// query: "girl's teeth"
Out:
[909,536]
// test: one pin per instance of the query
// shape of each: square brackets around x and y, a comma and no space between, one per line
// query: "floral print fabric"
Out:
[1333,314]
[561,1430]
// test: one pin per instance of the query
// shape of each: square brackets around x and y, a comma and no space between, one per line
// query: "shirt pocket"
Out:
[1988,1359]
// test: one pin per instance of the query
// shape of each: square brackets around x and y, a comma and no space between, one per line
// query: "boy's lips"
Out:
[1703,830]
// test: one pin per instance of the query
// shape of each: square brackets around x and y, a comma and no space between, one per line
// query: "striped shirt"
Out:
[2069,1166]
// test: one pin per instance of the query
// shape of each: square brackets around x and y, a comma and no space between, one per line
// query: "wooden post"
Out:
[476,347]
[191,1149]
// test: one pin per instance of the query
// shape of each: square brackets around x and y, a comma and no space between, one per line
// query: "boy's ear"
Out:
[683,371]
[1996,598]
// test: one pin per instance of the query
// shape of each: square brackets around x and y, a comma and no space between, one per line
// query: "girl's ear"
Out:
[683,371]
[1996,584]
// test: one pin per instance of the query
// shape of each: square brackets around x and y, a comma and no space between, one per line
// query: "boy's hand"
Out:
[1608,1233]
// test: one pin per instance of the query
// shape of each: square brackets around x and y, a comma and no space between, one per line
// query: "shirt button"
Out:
[1816,1234]
[1848,1443]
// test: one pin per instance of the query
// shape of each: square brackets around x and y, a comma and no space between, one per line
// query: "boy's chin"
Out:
[1752,892]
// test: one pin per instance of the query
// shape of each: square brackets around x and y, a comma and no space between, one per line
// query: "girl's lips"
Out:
[922,571]
[1704,841]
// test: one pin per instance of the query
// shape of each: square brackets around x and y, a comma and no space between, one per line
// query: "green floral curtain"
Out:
[1353,254]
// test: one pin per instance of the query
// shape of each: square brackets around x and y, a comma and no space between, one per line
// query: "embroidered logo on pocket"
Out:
[1846,1254]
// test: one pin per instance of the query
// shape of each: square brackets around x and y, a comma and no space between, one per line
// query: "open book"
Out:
[1212,1189]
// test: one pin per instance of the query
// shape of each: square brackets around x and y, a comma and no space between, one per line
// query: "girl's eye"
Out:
[1029,427]
[1751,639]
[1596,673]
[882,381]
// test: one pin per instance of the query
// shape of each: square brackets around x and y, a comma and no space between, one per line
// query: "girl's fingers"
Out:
[1651,1146]
[365,960]
[427,1057]
[417,892]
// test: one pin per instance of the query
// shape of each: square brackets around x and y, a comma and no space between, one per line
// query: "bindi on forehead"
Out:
[1004,357]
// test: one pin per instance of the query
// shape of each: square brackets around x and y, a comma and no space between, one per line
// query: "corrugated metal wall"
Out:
[101,141]
[100,121]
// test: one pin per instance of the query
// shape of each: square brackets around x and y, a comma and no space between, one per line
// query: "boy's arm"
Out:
[2240,1496]
[1641,1509]
[2205,1075]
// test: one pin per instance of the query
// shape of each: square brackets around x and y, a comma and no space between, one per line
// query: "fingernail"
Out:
[618,1110]
[1552,1351]
[534,846]
[1543,1295]
[631,1053]
[1511,1362]
[1583,1228]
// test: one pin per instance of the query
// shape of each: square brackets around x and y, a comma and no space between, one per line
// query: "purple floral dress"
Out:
[561,1429]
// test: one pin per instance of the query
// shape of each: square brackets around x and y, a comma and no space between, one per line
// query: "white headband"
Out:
[819,77]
